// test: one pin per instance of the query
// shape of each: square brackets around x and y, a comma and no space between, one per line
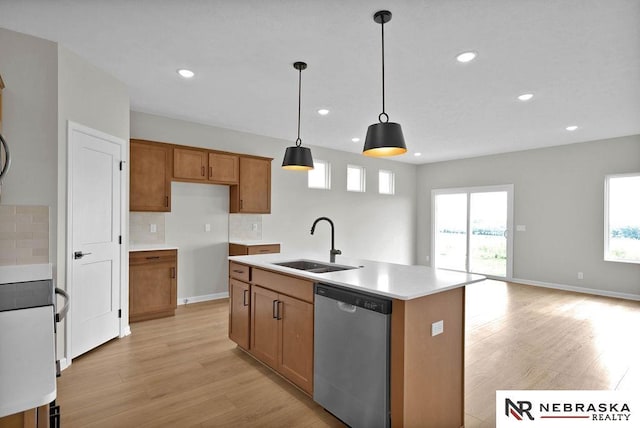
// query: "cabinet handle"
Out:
[203,170]
[279,317]
[153,257]
[274,309]
[238,271]
[210,171]
[166,201]
[173,273]
[264,251]
[244,298]
[240,203]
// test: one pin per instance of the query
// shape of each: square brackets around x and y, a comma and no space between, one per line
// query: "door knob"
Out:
[79,254]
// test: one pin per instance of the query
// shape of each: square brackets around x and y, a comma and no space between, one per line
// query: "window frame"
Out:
[392,182]
[327,175]
[363,178]
[607,227]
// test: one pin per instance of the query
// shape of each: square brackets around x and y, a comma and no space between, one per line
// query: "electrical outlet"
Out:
[427,258]
[153,228]
[437,328]
[580,275]
[207,227]
[521,228]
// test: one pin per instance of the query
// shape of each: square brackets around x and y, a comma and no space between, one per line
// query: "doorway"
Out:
[94,236]
[471,230]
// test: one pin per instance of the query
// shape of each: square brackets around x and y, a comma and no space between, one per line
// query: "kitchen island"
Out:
[426,367]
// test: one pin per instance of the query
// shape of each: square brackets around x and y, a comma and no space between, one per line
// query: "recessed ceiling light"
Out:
[525,97]
[417,154]
[187,74]
[323,112]
[467,56]
[571,128]
[355,139]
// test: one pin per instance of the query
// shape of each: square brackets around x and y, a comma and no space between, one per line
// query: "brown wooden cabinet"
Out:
[150,182]
[190,164]
[152,284]
[32,418]
[224,168]
[253,192]
[239,304]
[282,325]
[246,249]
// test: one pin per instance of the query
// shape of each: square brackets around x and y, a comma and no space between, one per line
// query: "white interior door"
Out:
[94,199]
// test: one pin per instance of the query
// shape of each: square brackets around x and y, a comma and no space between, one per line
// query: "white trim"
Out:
[478,189]
[606,256]
[203,298]
[584,290]
[124,206]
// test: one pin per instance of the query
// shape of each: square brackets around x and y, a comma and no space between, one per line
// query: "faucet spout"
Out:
[333,251]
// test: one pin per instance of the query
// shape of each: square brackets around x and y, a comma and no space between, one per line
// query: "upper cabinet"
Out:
[154,165]
[150,182]
[189,164]
[224,168]
[253,192]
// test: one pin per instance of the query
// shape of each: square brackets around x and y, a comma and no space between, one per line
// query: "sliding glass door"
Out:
[470,230]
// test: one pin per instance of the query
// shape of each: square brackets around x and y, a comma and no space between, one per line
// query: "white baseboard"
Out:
[573,288]
[127,331]
[204,298]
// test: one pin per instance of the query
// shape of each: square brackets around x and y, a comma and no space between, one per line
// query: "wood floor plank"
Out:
[183,371]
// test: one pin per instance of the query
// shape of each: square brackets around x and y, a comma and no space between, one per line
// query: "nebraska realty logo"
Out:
[567,409]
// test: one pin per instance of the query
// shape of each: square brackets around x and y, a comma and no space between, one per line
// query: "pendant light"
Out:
[298,158]
[384,138]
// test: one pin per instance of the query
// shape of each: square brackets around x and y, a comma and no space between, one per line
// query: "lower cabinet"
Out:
[282,335]
[152,284]
[239,298]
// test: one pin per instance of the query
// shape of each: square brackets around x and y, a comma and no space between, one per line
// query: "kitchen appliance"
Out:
[351,355]
[28,319]
[5,160]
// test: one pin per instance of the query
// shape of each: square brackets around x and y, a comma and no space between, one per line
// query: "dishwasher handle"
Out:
[345,307]
[63,312]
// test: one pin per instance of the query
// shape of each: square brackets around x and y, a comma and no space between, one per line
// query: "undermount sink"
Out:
[314,267]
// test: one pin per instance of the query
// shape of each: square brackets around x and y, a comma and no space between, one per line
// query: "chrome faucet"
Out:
[333,251]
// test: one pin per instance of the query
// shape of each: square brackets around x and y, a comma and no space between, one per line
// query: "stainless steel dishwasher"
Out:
[351,355]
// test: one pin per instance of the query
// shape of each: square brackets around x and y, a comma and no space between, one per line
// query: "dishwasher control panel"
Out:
[355,298]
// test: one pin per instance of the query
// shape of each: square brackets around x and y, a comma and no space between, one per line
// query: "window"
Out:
[355,178]
[622,218]
[320,176]
[386,182]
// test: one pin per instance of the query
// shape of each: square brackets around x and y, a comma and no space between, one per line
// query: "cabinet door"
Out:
[239,312]
[152,286]
[223,169]
[264,325]
[296,342]
[189,164]
[253,193]
[150,188]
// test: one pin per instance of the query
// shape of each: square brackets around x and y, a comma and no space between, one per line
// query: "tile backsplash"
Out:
[140,224]
[245,227]
[24,234]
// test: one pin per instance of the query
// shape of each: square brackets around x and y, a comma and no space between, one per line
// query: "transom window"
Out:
[386,182]
[355,178]
[320,176]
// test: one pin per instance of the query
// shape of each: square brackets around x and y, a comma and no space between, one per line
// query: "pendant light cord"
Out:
[298,140]
[383,112]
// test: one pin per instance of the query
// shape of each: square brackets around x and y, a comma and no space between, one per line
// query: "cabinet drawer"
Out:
[147,257]
[289,285]
[238,271]
[263,249]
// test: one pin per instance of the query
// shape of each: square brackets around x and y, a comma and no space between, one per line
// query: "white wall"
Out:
[559,197]
[368,226]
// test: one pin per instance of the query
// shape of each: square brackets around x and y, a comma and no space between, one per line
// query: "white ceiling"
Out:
[580,58]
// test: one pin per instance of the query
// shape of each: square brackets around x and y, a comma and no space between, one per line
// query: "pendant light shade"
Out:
[298,158]
[384,138]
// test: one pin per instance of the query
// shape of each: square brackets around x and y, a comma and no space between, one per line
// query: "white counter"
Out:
[402,282]
[151,247]
[254,243]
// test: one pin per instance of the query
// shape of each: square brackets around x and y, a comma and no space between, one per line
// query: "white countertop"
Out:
[254,243]
[404,282]
[151,247]
[27,359]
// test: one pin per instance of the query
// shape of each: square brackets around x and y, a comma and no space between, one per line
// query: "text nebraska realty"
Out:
[598,411]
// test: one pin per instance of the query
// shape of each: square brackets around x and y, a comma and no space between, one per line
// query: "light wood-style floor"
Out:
[184,372]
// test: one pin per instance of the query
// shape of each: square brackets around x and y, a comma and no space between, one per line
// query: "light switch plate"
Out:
[521,228]
[437,328]
[207,227]
[153,228]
